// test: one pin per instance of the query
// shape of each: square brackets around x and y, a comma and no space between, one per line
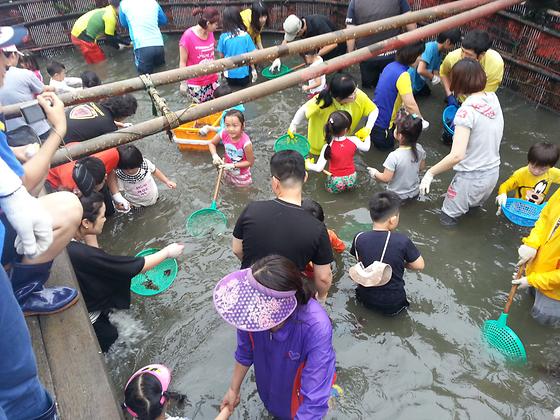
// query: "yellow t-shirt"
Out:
[491,62]
[404,86]
[246,16]
[525,184]
[317,117]
[97,23]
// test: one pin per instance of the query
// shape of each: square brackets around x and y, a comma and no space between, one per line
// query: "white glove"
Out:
[204,130]
[373,172]
[174,250]
[275,65]
[425,125]
[557,413]
[217,160]
[32,223]
[228,166]
[425,183]
[126,124]
[436,80]
[121,204]
[526,254]
[522,282]
[501,200]
[123,46]
[254,76]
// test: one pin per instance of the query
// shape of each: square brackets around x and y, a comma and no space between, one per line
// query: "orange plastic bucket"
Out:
[187,138]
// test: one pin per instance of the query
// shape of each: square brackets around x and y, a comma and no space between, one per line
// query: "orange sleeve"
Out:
[336,243]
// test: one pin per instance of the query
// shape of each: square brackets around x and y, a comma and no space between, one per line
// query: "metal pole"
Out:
[159,124]
[258,56]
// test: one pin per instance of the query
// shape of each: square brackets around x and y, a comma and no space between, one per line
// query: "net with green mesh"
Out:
[299,143]
[157,279]
[501,337]
[274,74]
[205,221]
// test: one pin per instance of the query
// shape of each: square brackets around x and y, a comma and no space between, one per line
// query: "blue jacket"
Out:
[294,366]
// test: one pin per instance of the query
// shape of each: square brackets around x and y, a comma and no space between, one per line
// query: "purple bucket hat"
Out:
[248,305]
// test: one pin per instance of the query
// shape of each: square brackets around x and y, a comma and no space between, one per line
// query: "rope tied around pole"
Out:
[159,104]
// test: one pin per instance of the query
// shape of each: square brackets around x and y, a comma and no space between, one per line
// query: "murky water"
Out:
[429,363]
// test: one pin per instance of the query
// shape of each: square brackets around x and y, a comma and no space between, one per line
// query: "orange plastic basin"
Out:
[187,138]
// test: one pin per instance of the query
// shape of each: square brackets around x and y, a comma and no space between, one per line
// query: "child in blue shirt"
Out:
[430,61]
[233,41]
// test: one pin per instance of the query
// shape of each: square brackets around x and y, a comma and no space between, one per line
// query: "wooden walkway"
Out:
[70,362]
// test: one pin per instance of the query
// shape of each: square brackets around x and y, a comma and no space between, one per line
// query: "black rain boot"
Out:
[34,299]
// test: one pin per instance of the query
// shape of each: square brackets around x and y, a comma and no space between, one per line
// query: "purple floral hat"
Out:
[248,305]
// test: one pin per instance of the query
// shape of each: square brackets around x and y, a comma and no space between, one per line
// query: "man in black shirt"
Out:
[282,227]
[307,27]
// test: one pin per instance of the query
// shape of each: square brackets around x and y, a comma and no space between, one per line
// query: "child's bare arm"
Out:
[250,158]
[161,176]
[417,264]
[385,176]
[423,164]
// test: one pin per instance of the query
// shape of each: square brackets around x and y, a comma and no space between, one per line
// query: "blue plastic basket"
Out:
[522,212]
[448,117]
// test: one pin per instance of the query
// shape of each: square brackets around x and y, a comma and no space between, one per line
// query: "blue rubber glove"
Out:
[452,100]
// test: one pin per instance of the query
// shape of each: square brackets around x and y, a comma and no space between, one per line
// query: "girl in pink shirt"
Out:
[239,156]
[197,46]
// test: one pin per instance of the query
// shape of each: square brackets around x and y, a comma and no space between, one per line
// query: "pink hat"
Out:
[248,305]
[162,374]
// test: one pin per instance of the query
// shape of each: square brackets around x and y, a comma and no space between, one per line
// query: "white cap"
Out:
[292,25]
[12,49]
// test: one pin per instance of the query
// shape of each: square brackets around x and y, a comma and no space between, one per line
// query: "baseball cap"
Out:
[12,48]
[10,36]
[292,25]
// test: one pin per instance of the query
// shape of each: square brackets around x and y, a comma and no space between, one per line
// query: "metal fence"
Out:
[531,50]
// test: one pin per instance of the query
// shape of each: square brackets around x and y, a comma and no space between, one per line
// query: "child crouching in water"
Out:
[403,165]
[146,395]
[239,156]
[397,250]
[314,86]
[533,182]
[134,177]
[339,151]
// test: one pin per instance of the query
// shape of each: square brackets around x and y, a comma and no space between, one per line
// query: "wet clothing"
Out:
[383,138]
[246,16]
[231,45]
[405,170]
[60,177]
[317,117]
[393,84]
[432,57]
[491,62]
[294,366]
[338,184]
[140,189]
[199,51]
[294,234]
[319,25]
[86,121]
[21,85]
[69,84]
[200,94]
[22,396]
[235,153]
[337,246]
[341,162]
[95,24]
[546,311]
[391,297]
[147,59]
[525,184]
[91,52]
[543,272]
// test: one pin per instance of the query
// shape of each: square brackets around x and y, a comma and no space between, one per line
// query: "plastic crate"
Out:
[187,138]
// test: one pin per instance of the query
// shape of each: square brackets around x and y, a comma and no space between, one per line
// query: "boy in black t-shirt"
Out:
[283,227]
[401,253]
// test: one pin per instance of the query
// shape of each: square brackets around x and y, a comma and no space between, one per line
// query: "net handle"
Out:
[218,182]
[513,289]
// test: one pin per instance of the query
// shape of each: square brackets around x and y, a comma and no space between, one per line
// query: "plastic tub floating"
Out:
[187,137]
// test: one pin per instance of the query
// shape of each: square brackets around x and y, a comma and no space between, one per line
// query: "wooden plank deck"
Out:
[70,363]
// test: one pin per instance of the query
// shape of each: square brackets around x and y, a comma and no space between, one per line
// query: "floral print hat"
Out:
[248,305]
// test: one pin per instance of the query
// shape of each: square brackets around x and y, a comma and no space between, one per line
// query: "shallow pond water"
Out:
[428,363]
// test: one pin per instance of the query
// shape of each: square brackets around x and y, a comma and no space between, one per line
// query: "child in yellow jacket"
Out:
[541,252]
[532,182]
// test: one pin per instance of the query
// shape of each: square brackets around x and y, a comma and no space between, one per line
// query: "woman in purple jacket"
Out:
[284,333]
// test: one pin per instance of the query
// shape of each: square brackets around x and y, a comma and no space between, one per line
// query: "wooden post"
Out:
[259,56]
[249,94]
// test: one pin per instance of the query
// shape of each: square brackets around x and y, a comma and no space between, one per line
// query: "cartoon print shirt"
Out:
[529,187]
[235,151]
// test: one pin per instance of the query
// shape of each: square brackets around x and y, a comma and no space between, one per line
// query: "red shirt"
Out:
[341,162]
[60,177]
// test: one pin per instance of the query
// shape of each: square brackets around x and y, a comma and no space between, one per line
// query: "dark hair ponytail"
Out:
[281,274]
[410,127]
[207,15]
[91,205]
[143,395]
[231,21]
[337,124]
[341,87]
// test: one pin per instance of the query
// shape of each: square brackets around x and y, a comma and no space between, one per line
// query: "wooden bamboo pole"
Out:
[258,56]
[249,94]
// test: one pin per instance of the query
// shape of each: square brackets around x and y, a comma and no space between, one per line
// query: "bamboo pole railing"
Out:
[159,124]
[259,56]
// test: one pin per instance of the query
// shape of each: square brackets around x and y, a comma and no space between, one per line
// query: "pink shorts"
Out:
[239,180]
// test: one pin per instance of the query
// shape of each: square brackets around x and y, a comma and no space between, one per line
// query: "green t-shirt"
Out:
[96,23]
[317,117]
